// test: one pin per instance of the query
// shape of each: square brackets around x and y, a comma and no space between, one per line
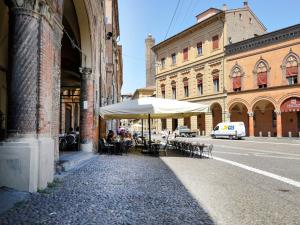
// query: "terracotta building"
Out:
[192,64]
[52,78]
[263,83]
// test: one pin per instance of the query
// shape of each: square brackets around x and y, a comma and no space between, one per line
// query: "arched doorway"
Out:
[77,85]
[3,67]
[70,64]
[290,117]
[264,119]
[239,113]
[216,111]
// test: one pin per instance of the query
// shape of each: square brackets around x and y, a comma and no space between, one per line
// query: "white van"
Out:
[231,130]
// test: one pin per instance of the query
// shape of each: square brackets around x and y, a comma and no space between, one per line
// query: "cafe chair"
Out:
[71,143]
[208,151]
[104,147]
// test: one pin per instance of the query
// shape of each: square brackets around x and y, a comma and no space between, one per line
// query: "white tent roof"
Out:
[156,107]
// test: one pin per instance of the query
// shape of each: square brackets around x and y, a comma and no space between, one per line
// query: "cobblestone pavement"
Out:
[113,190]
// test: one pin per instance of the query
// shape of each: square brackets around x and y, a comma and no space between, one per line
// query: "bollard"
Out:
[269,133]
[203,133]
[290,134]
[260,133]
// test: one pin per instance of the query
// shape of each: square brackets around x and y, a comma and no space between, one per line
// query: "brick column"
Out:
[169,125]
[31,61]
[86,110]
[278,123]
[23,69]
[227,116]
[208,123]
[180,121]
[56,83]
[194,121]
[251,124]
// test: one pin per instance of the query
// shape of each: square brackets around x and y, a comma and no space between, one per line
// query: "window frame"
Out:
[163,62]
[216,83]
[185,54]
[173,56]
[198,47]
[215,42]
[199,87]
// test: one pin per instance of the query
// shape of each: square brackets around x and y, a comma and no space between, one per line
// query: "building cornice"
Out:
[262,51]
[205,97]
[264,89]
[189,30]
[264,40]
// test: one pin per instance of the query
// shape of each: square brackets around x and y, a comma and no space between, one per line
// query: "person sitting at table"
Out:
[127,142]
[110,137]
[122,135]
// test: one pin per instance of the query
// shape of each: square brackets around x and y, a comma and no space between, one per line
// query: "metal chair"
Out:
[105,148]
[208,151]
[71,143]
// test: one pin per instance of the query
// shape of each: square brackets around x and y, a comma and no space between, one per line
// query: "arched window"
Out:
[163,91]
[173,85]
[262,74]
[200,84]
[186,87]
[291,70]
[236,79]
[215,76]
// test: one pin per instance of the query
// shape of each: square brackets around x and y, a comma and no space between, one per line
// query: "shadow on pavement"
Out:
[128,189]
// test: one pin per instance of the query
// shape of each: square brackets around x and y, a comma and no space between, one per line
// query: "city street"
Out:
[248,182]
[252,181]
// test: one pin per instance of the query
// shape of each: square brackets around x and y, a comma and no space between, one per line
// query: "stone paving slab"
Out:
[9,197]
[113,190]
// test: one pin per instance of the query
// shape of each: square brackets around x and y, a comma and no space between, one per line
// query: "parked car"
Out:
[184,131]
[232,130]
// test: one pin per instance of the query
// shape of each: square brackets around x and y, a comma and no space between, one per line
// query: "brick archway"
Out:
[264,117]
[77,71]
[239,113]
[216,111]
[290,116]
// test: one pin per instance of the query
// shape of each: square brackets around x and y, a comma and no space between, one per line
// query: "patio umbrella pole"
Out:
[149,131]
[142,128]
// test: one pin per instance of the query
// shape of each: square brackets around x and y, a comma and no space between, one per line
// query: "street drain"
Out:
[283,190]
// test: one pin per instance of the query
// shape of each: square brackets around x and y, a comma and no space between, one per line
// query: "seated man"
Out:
[110,137]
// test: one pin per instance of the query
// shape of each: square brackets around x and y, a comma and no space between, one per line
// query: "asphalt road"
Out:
[251,181]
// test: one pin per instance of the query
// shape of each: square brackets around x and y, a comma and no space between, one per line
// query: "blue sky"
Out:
[140,17]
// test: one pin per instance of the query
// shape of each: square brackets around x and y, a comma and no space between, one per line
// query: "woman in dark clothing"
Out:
[110,137]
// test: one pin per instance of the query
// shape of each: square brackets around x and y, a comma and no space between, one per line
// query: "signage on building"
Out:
[85,104]
[290,105]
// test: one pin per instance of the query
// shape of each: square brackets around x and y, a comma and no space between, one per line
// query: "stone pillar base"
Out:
[26,163]
[88,147]
[46,162]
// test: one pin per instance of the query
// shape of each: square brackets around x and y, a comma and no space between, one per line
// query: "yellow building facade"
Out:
[191,64]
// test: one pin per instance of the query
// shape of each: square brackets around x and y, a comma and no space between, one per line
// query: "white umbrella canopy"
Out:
[157,108]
